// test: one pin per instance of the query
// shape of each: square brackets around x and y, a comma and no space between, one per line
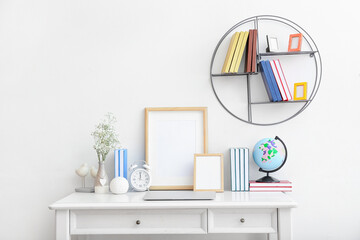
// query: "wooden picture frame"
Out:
[273,44]
[292,38]
[172,137]
[296,92]
[209,172]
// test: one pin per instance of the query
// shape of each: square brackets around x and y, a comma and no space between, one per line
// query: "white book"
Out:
[271,189]
[232,168]
[246,168]
[282,183]
[237,172]
[283,79]
[242,170]
[116,163]
[278,81]
[121,163]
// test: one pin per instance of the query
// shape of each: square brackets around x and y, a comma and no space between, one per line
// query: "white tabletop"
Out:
[134,200]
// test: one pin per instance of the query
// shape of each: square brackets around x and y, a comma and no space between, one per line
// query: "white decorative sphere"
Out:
[119,185]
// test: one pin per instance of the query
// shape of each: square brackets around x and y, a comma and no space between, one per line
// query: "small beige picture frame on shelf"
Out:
[209,172]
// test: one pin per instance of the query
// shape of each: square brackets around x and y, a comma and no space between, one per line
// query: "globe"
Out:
[270,155]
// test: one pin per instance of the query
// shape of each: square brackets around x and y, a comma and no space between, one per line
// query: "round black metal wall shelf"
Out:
[313,52]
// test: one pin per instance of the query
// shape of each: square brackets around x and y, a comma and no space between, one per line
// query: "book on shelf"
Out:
[274,85]
[266,80]
[230,52]
[282,186]
[120,158]
[269,81]
[254,48]
[283,79]
[278,81]
[249,51]
[236,52]
[241,52]
[239,169]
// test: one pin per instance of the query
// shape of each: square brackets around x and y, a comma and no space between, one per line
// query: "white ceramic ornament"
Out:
[93,171]
[119,185]
[83,170]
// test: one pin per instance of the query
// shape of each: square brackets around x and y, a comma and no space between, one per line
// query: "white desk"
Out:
[230,212]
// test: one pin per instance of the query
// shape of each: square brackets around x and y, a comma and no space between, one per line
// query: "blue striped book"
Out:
[239,169]
[120,158]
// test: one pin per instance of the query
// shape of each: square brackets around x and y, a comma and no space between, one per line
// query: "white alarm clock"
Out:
[139,176]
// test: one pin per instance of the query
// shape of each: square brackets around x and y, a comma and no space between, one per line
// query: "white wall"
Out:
[64,64]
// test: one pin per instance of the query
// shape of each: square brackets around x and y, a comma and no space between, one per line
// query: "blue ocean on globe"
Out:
[269,154]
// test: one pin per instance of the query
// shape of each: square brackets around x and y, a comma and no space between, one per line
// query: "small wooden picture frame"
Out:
[209,172]
[273,45]
[295,42]
[302,85]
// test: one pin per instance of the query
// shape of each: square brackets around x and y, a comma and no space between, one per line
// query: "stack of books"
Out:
[275,82]
[282,186]
[120,158]
[239,169]
[240,43]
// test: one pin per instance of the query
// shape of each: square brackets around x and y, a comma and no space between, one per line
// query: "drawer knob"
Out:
[242,220]
[138,222]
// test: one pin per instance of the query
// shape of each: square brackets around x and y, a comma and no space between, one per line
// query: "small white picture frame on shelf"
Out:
[209,172]
[172,137]
[273,45]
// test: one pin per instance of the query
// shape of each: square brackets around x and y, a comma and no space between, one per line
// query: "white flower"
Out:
[105,136]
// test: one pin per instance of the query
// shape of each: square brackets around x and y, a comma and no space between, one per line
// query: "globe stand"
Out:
[267,178]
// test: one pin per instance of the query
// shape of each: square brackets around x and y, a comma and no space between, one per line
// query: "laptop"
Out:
[178,195]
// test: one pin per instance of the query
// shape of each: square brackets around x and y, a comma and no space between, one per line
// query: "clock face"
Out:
[140,180]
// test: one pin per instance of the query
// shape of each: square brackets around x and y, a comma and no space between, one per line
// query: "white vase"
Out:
[102,179]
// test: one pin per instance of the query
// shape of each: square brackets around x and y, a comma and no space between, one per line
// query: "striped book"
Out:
[239,169]
[282,186]
[120,158]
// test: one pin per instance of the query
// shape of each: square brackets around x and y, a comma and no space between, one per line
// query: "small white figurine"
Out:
[93,171]
[82,172]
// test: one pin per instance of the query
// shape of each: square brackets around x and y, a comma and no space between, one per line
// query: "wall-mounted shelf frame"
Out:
[313,53]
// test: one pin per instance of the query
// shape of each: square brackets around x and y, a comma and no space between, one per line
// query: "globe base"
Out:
[268,179]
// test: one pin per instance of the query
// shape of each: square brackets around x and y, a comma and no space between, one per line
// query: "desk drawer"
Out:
[161,221]
[242,220]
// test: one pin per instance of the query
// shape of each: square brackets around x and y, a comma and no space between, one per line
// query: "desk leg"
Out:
[62,225]
[284,224]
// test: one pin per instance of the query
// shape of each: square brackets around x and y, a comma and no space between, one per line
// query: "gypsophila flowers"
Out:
[105,136]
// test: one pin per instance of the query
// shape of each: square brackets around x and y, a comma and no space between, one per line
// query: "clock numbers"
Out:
[140,180]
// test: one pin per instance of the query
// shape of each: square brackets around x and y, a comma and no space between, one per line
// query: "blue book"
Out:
[266,80]
[268,77]
[120,158]
[273,82]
